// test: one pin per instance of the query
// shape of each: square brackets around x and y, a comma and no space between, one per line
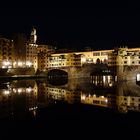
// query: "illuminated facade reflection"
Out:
[18,97]
[70,96]
[102,80]
[121,103]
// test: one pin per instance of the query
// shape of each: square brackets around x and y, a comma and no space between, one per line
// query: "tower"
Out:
[31,51]
[33,37]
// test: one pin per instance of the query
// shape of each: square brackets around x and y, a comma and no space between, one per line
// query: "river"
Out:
[77,107]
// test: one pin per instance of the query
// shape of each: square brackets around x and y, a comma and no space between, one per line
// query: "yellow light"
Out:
[19,90]
[83,97]
[6,92]
[19,63]
[28,63]
[29,89]
[14,90]
[104,79]
[6,63]
[110,84]
[83,60]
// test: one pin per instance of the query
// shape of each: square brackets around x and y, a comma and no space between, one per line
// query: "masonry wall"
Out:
[85,71]
[125,73]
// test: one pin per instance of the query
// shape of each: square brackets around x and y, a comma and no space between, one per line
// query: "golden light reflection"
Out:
[94,100]
[33,108]
[6,92]
[28,63]
[19,90]
[20,63]
[28,90]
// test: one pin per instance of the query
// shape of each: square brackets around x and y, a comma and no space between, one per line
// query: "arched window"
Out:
[98,61]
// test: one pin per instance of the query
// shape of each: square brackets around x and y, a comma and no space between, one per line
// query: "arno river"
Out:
[95,107]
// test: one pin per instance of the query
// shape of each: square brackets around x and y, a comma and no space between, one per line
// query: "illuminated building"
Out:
[78,58]
[122,103]
[43,52]
[56,93]
[122,63]
[95,57]
[74,60]
[64,60]
[120,56]
[94,100]
[124,56]
[129,56]
[19,51]
[57,61]
[126,103]
[70,96]
[6,53]
[31,51]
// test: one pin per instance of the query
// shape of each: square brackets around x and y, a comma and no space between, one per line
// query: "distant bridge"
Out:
[83,71]
[123,73]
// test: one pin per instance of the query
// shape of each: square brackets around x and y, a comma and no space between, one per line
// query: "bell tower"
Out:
[31,51]
[33,37]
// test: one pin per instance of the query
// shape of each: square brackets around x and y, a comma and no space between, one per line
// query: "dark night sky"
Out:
[101,27]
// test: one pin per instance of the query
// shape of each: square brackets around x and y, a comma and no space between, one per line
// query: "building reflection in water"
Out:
[18,97]
[103,80]
[70,96]
[125,96]
[26,96]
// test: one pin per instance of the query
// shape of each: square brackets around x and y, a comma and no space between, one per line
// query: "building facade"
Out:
[119,56]
[21,53]
[6,53]
[31,51]
[43,51]
[64,60]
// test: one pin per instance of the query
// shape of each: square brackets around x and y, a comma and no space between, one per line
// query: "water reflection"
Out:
[17,98]
[26,96]
[103,80]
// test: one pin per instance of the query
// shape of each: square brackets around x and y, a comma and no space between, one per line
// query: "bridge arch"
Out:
[57,77]
[57,73]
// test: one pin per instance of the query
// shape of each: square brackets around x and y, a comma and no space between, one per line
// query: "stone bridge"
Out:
[123,73]
[81,72]
[126,73]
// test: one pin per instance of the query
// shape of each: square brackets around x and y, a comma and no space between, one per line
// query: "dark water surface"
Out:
[81,108]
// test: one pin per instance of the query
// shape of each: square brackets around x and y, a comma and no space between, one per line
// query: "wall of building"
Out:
[6,53]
